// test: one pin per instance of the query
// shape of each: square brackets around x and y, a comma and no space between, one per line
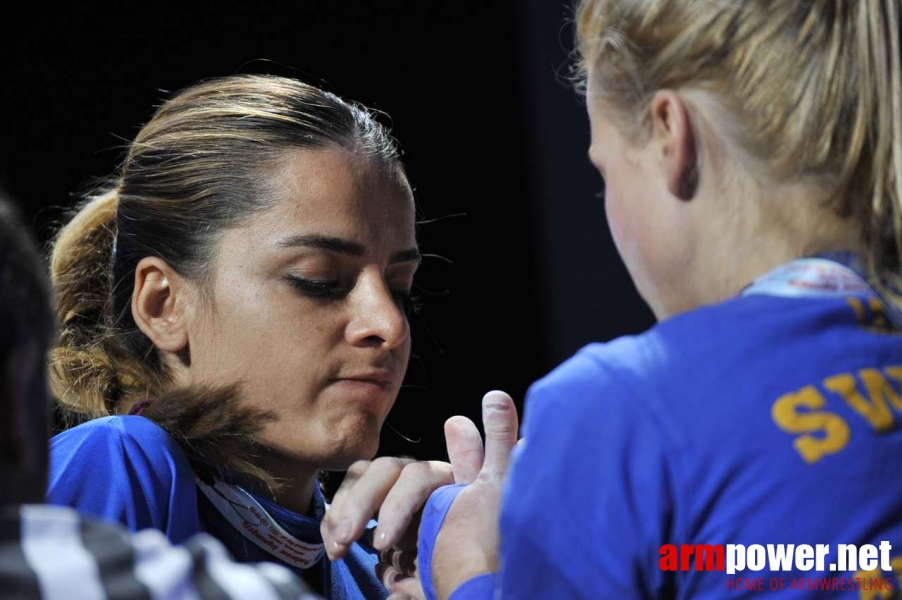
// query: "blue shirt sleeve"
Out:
[128,470]
[590,497]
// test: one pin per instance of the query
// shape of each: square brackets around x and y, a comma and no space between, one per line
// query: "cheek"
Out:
[621,210]
[263,339]
[630,220]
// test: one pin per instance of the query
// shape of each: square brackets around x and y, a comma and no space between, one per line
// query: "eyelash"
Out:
[331,290]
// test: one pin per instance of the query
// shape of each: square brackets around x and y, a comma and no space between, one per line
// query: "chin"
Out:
[348,449]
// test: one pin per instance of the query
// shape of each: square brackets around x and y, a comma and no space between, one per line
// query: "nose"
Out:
[377,319]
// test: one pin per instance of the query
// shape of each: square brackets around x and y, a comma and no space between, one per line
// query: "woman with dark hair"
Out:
[233,320]
[51,552]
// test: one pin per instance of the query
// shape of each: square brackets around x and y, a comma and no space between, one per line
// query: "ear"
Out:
[672,130]
[159,304]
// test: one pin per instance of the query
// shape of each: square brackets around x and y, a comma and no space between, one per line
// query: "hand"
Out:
[398,568]
[397,489]
[389,486]
[468,542]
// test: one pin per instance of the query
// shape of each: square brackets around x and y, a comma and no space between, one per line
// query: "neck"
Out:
[755,238]
[298,483]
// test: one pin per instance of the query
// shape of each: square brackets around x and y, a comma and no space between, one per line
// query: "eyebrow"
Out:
[347,247]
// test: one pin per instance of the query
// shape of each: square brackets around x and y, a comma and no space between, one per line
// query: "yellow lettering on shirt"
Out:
[874,407]
[872,318]
[796,413]
[887,593]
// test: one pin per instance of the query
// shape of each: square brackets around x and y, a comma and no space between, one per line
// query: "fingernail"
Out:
[396,578]
[380,539]
[336,550]
[494,403]
[343,531]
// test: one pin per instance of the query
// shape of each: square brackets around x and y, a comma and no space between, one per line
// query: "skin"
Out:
[689,248]
[328,359]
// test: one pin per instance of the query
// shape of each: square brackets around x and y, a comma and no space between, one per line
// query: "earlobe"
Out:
[158,304]
[673,130]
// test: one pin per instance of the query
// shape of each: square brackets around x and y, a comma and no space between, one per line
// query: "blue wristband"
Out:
[433,516]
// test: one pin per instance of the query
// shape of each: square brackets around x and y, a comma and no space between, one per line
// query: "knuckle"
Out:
[417,470]
[357,469]
[388,463]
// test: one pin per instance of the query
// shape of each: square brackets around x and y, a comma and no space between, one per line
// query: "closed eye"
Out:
[317,288]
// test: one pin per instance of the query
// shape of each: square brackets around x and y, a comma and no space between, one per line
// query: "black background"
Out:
[478,101]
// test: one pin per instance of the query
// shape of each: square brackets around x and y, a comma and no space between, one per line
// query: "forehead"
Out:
[338,193]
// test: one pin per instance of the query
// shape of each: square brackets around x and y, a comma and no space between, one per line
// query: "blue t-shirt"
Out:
[761,420]
[128,470]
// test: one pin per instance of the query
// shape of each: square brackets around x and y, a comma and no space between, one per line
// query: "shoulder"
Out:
[651,366]
[127,469]
[103,560]
[599,378]
[634,378]
[587,405]
[115,441]
[117,427]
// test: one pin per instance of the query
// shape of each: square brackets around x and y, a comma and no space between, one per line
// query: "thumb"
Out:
[464,448]
[499,419]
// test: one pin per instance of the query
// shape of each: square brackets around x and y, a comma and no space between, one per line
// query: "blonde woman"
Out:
[752,157]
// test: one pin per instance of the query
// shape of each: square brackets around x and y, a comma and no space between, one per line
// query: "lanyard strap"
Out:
[826,276]
[252,521]
[810,278]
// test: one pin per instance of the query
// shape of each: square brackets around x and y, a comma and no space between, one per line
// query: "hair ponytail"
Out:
[93,373]
[90,375]
[879,38]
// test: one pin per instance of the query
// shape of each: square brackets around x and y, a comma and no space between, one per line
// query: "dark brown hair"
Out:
[198,167]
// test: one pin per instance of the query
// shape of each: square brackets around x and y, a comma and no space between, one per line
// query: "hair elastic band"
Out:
[139,406]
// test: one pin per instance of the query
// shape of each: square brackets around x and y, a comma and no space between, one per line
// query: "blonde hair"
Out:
[815,87]
[198,167]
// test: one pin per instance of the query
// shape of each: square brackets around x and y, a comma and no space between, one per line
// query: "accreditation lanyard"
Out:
[252,521]
[827,276]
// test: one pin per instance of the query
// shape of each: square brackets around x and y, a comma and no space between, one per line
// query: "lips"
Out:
[381,379]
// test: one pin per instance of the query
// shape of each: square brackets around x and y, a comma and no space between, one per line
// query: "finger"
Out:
[385,573]
[409,587]
[395,581]
[351,476]
[405,499]
[346,522]
[499,419]
[405,563]
[329,523]
[408,540]
[464,448]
